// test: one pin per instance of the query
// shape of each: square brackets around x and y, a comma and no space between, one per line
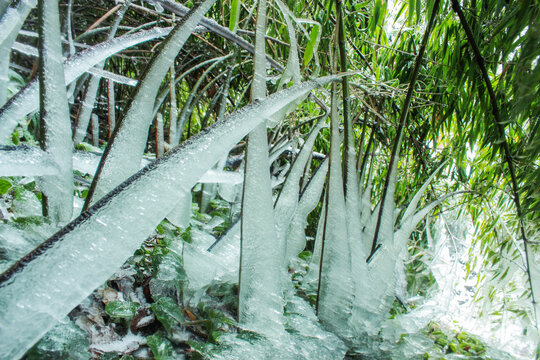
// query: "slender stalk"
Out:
[507,156]
[403,122]
[159,136]
[111,109]
[349,156]
[95,130]
[172,91]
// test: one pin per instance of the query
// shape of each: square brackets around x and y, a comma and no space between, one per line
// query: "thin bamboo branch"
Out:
[502,137]
[403,123]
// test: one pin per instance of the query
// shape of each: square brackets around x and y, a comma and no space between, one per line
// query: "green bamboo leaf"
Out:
[313,44]
[376,16]
[410,11]
[235,15]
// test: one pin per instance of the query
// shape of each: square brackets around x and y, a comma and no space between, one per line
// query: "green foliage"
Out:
[121,309]
[454,342]
[162,348]
[168,312]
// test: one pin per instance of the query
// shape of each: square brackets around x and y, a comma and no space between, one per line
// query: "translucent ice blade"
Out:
[125,148]
[336,288]
[181,213]
[311,279]
[289,195]
[70,265]
[260,299]
[296,237]
[87,107]
[292,70]
[27,100]
[54,114]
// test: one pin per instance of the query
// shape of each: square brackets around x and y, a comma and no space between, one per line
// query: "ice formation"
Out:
[72,263]
[125,148]
[55,118]
[27,100]
[260,298]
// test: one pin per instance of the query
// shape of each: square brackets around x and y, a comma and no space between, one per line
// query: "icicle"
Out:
[296,237]
[26,100]
[288,198]
[54,113]
[336,287]
[124,150]
[69,266]
[261,299]
[311,279]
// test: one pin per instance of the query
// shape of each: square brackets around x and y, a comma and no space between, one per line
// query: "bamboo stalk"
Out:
[111,109]
[403,123]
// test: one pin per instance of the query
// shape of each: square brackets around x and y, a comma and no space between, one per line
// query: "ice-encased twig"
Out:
[336,291]
[289,196]
[54,113]
[27,101]
[296,237]
[45,285]
[260,299]
[125,148]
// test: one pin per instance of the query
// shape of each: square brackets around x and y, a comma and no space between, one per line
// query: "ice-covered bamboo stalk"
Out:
[261,299]
[54,114]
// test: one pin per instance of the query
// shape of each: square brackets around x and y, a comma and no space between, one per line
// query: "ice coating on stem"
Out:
[72,263]
[289,195]
[125,148]
[260,299]
[335,287]
[55,119]
[27,100]
[311,279]
[296,237]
